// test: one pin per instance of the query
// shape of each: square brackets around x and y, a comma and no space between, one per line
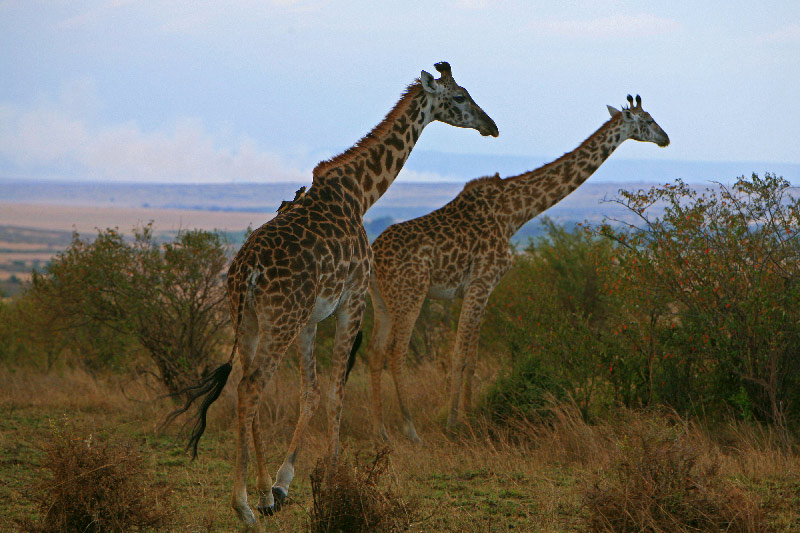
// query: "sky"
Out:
[218,91]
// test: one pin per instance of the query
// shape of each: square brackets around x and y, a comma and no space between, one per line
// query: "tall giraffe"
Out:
[462,250]
[309,262]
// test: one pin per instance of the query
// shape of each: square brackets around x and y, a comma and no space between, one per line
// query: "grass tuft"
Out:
[660,480]
[96,485]
[351,497]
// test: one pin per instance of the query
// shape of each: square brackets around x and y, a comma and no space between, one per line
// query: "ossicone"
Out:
[444,68]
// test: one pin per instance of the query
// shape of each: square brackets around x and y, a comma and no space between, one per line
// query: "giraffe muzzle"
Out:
[490,130]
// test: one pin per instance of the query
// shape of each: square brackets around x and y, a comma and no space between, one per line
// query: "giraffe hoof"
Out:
[411,433]
[280,497]
[246,515]
[266,510]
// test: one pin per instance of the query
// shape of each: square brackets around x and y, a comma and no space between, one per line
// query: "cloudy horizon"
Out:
[260,91]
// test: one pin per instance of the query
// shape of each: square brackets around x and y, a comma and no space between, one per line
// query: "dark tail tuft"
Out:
[352,359]
[211,387]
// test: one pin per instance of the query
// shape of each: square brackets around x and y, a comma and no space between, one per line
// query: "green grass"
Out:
[470,482]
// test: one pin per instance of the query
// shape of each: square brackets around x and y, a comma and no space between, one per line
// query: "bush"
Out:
[350,498]
[722,268]
[101,299]
[694,308]
[97,485]
[660,482]
[556,317]
[526,391]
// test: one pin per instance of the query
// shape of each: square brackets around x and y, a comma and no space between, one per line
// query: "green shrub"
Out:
[527,390]
[554,314]
[695,308]
[102,299]
[723,269]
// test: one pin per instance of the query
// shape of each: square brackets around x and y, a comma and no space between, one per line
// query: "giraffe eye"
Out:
[459,98]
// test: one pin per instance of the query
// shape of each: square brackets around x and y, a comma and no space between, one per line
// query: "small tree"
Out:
[556,313]
[727,264]
[110,294]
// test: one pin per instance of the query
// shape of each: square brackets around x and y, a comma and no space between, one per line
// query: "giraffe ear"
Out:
[428,83]
[613,111]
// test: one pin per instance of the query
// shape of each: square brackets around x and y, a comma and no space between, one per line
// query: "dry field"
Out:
[87,219]
[31,234]
[485,478]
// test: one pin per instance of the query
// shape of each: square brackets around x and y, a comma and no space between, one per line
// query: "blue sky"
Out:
[220,91]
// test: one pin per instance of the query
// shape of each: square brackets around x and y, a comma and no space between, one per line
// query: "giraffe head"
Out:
[638,124]
[453,105]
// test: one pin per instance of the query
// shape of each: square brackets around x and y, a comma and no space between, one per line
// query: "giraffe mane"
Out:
[548,166]
[411,92]
[471,184]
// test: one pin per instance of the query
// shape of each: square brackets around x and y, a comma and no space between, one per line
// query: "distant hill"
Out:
[402,202]
[405,199]
[462,167]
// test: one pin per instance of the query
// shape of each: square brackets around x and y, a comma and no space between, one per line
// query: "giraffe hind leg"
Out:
[248,344]
[401,336]
[273,341]
[376,355]
[309,400]
[402,328]
[348,322]
[266,504]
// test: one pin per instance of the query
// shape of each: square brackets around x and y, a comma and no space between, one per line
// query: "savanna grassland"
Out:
[534,478]
[637,378]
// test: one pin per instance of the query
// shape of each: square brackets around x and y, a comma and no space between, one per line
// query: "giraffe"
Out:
[309,262]
[462,250]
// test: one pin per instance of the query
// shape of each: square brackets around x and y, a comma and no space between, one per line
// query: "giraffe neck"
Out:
[363,172]
[526,195]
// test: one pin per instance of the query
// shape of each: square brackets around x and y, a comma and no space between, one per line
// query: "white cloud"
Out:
[49,140]
[613,26]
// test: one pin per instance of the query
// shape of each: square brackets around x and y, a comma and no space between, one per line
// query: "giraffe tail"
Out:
[209,390]
[352,359]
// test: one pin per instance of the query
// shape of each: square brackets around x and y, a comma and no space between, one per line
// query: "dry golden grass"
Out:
[354,496]
[97,485]
[85,219]
[530,477]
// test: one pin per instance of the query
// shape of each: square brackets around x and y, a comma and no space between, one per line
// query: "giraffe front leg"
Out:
[466,345]
[469,372]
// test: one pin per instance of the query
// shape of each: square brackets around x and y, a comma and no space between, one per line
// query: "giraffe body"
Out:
[462,250]
[313,260]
